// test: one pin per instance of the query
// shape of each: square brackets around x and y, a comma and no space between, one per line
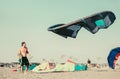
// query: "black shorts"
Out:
[25,61]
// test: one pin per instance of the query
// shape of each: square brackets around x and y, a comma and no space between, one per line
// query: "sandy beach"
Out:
[8,73]
[60,39]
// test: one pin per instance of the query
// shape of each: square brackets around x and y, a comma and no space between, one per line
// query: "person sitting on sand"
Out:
[22,55]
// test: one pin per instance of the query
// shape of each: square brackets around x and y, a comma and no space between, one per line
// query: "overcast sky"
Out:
[28,20]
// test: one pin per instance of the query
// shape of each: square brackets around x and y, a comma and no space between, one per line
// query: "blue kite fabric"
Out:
[112,57]
[31,67]
[92,23]
[81,67]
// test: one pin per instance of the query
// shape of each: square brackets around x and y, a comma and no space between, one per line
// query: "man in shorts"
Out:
[22,55]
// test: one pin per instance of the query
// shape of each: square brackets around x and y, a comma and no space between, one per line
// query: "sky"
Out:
[28,20]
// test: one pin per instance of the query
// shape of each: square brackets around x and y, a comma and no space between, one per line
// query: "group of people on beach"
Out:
[23,60]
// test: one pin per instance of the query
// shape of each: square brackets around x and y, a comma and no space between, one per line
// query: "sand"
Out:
[8,73]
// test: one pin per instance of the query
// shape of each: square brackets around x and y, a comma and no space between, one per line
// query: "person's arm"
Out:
[19,54]
[27,51]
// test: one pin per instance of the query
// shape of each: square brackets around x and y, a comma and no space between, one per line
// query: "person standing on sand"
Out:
[89,64]
[22,55]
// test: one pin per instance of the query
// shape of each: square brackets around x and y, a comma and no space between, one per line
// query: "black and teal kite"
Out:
[92,23]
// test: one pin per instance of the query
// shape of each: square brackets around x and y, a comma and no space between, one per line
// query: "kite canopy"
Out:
[70,31]
[113,57]
[99,21]
[92,23]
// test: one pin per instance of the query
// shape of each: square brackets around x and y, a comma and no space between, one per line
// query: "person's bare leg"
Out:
[21,68]
[26,70]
